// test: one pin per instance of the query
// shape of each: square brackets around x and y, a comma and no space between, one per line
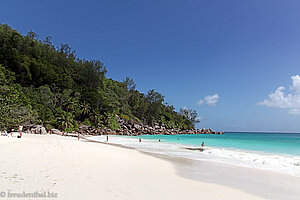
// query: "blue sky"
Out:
[188,50]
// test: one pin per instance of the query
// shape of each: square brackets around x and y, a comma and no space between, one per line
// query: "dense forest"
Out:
[48,85]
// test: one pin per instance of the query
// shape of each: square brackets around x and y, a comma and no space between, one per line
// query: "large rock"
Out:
[124,127]
[43,130]
[56,131]
[84,127]
[137,126]
[157,127]
[129,126]
[150,128]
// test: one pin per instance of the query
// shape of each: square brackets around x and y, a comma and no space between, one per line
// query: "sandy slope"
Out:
[84,170]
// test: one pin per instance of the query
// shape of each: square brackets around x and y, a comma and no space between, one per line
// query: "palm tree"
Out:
[66,120]
[85,109]
[70,105]
[95,118]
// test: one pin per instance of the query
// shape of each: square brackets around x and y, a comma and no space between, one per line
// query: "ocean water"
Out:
[278,143]
[278,152]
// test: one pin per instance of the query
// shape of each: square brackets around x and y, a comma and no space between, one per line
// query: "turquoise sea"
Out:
[278,143]
[278,152]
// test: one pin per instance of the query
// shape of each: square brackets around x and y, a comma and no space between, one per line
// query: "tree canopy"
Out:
[44,84]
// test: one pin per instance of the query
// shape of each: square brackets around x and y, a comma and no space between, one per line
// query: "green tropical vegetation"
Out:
[48,85]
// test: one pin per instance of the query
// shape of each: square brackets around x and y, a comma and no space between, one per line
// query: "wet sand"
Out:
[266,184]
[263,183]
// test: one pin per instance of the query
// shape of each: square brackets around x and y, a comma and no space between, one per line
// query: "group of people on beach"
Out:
[20,129]
[140,140]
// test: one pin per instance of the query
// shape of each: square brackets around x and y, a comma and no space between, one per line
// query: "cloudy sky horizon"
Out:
[235,62]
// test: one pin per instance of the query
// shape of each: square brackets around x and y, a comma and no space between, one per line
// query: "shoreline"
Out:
[282,163]
[263,183]
[64,165]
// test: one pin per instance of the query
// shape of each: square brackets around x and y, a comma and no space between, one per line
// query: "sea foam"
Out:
[286,164]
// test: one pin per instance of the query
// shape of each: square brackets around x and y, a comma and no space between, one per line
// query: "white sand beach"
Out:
[84,170]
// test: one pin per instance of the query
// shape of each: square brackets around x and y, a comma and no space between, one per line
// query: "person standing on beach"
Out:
[106,138]
[20,130]
[140,140]
[202,145]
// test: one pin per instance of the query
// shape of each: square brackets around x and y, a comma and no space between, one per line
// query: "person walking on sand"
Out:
[140,140]
[106,138]
[20,130]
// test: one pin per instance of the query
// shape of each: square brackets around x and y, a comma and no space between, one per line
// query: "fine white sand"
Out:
[84,170]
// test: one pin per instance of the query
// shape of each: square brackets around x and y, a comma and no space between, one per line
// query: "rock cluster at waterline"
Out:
[127,128]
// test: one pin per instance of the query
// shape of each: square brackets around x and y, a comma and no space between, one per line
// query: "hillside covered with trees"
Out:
[48,85]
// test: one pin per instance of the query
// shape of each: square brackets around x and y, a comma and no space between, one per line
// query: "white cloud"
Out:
[200,118]
[294,111]
[210,100]
[279,99]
